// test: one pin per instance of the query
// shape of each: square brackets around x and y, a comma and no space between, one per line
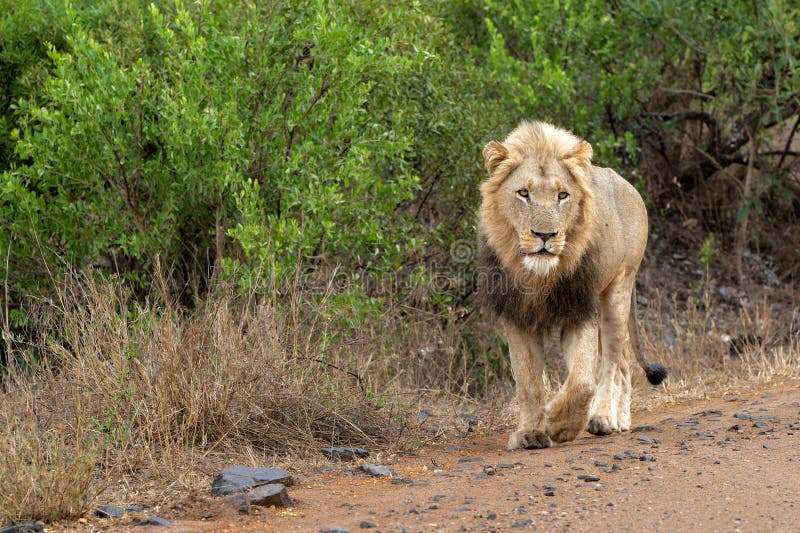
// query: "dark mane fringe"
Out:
[569,300]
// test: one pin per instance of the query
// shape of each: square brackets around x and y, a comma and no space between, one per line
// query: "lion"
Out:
[560,243]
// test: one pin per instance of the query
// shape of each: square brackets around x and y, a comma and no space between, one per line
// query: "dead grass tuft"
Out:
[46,473]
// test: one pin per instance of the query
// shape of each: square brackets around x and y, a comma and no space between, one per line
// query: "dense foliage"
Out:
[246,140]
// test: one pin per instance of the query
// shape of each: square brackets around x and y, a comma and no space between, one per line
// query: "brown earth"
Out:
[723,464]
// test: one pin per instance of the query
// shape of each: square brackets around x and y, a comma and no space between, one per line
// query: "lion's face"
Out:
[541,202]
[536,201]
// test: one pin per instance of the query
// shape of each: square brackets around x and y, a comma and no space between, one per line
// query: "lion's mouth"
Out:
[542,251]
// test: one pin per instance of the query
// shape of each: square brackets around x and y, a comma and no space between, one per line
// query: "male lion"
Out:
[560,244]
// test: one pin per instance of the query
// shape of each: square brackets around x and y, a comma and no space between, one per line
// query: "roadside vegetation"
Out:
[247,229]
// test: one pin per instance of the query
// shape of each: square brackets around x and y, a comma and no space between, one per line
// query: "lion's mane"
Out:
[567,294]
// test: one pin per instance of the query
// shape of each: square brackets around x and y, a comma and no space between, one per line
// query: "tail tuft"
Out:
[655,373]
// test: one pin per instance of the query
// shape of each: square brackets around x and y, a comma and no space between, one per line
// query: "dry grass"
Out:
[690,340]
[46,473]
[155,387]
[115,388]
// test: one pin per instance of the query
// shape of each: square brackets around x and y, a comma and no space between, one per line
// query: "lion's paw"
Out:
[601,425]
[564,430]
[530,439]
[567,413]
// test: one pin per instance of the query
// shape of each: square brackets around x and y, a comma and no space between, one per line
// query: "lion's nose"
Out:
[544,236]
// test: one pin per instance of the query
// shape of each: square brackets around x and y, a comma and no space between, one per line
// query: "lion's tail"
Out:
[655,372]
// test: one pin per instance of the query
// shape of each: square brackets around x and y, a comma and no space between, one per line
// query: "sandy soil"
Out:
[724,464]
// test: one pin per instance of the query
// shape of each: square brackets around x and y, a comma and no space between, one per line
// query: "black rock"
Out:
[743,416]
[589,478]
[109,511]
[647,457]
[345,454]
[549,493]
[272,494]
[154,521]
[645,438]
[639,429]
[366,524]
[378,470]
[522,524]
[27,527]
[619,457]
[760,425]
[600,464]
[325,529]
[241,478]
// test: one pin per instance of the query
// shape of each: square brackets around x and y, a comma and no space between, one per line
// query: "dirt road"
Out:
[725,464]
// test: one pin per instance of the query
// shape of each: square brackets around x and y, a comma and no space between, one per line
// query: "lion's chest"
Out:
[569,300]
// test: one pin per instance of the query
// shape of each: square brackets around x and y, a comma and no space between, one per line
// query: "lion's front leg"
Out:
[527,363]
[568,412]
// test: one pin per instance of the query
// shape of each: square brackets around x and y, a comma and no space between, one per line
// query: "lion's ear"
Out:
[580,158]
[493,154]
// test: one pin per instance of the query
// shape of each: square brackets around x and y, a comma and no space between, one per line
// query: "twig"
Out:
[348,372]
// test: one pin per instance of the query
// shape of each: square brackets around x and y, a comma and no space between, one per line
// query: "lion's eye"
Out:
[563,195]
[522,193]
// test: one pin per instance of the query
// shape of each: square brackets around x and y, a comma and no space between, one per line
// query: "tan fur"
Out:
[553,221]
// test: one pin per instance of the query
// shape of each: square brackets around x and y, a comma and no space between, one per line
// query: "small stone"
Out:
[423,415]
[325,529]
[27,527]
[154,521]
[639,429]
[135,508]
[589,478]
[522,524]
[760,425]
[378,470]
[367,524]
[619,457]
[743,416]
[601,464]
[645,439]
[469,418]
[549,493]
[491,516]
[489,470]
[345,454]
[767,447]
[241,478]
[470,459]
[452,449]
[272,494]
[647,457]
[328,468]
[109,511]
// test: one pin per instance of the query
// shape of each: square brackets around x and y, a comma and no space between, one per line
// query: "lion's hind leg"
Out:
[611,406]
